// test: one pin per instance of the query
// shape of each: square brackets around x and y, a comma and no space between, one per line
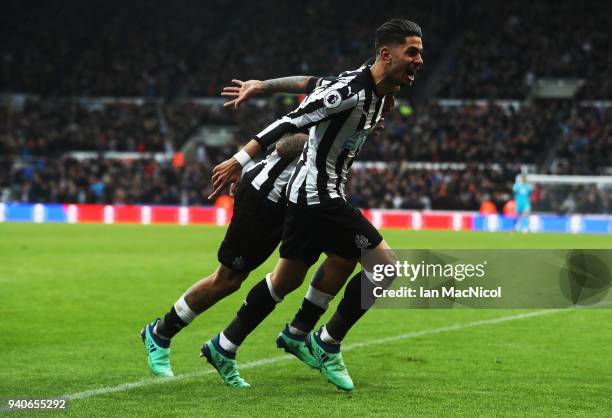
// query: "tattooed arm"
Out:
[244,90]
[295,84]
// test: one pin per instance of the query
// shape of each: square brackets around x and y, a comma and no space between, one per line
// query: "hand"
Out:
[233,187]
[380,126]
[244,91]
[229,171]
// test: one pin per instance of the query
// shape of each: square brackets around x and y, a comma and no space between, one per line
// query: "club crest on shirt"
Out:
[332,99]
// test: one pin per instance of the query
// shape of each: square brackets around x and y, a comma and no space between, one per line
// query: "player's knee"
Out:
[385,253]
[379,265]
[228,279]
[390,257]
[283,286]
[339,264]
[288,275]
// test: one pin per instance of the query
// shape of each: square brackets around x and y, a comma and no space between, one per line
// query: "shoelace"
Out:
[321,354]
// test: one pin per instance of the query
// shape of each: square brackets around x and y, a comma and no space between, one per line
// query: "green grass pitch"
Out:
[73,299]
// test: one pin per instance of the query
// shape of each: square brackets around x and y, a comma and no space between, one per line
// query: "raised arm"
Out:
[244,90]
[316,108]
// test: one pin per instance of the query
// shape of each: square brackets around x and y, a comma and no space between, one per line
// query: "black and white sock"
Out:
[329,344]
[179,316]
[259,303]
[351,308]
[226,344]
[314,305]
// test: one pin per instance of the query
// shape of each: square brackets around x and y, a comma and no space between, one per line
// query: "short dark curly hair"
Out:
[394,32]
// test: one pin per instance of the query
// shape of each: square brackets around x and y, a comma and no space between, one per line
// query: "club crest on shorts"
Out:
[332,99]
[361,241]
[238,263]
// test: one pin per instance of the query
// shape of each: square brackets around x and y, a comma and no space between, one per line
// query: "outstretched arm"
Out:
[244,90]
[315,109]
[230,171]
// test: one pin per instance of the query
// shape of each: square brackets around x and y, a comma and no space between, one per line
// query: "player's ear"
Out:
[385,55]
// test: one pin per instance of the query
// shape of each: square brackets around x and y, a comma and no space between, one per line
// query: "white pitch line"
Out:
[272,360]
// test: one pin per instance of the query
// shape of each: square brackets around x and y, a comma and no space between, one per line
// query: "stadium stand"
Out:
[156,49]
[129,77]
[454,140]
[516,42]
[587,147]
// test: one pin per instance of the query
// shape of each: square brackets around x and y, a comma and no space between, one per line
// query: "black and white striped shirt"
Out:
[340,116]
[274,172]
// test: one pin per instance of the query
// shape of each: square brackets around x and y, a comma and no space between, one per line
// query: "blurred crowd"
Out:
[566,199]
[50,127]
[160,49]
[428,132]
[516,42]
[67,180]
[587,148]
[146,181]
[489,133]
[467,189]
[425,189]
[474,152]
[164,54]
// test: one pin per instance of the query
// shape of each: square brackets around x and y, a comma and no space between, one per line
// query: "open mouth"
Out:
[410,74]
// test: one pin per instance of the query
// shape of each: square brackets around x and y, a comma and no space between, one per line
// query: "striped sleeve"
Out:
[315,82]
[321,105]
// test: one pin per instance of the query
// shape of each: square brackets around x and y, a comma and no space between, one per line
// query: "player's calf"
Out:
[205,293]
[259,303]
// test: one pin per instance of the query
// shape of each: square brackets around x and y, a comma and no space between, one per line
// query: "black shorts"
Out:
[255,230]
[333,227]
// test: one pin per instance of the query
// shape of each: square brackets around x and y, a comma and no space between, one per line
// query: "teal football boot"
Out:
[330,359]
[224,362]
[296,346]
[158,356]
